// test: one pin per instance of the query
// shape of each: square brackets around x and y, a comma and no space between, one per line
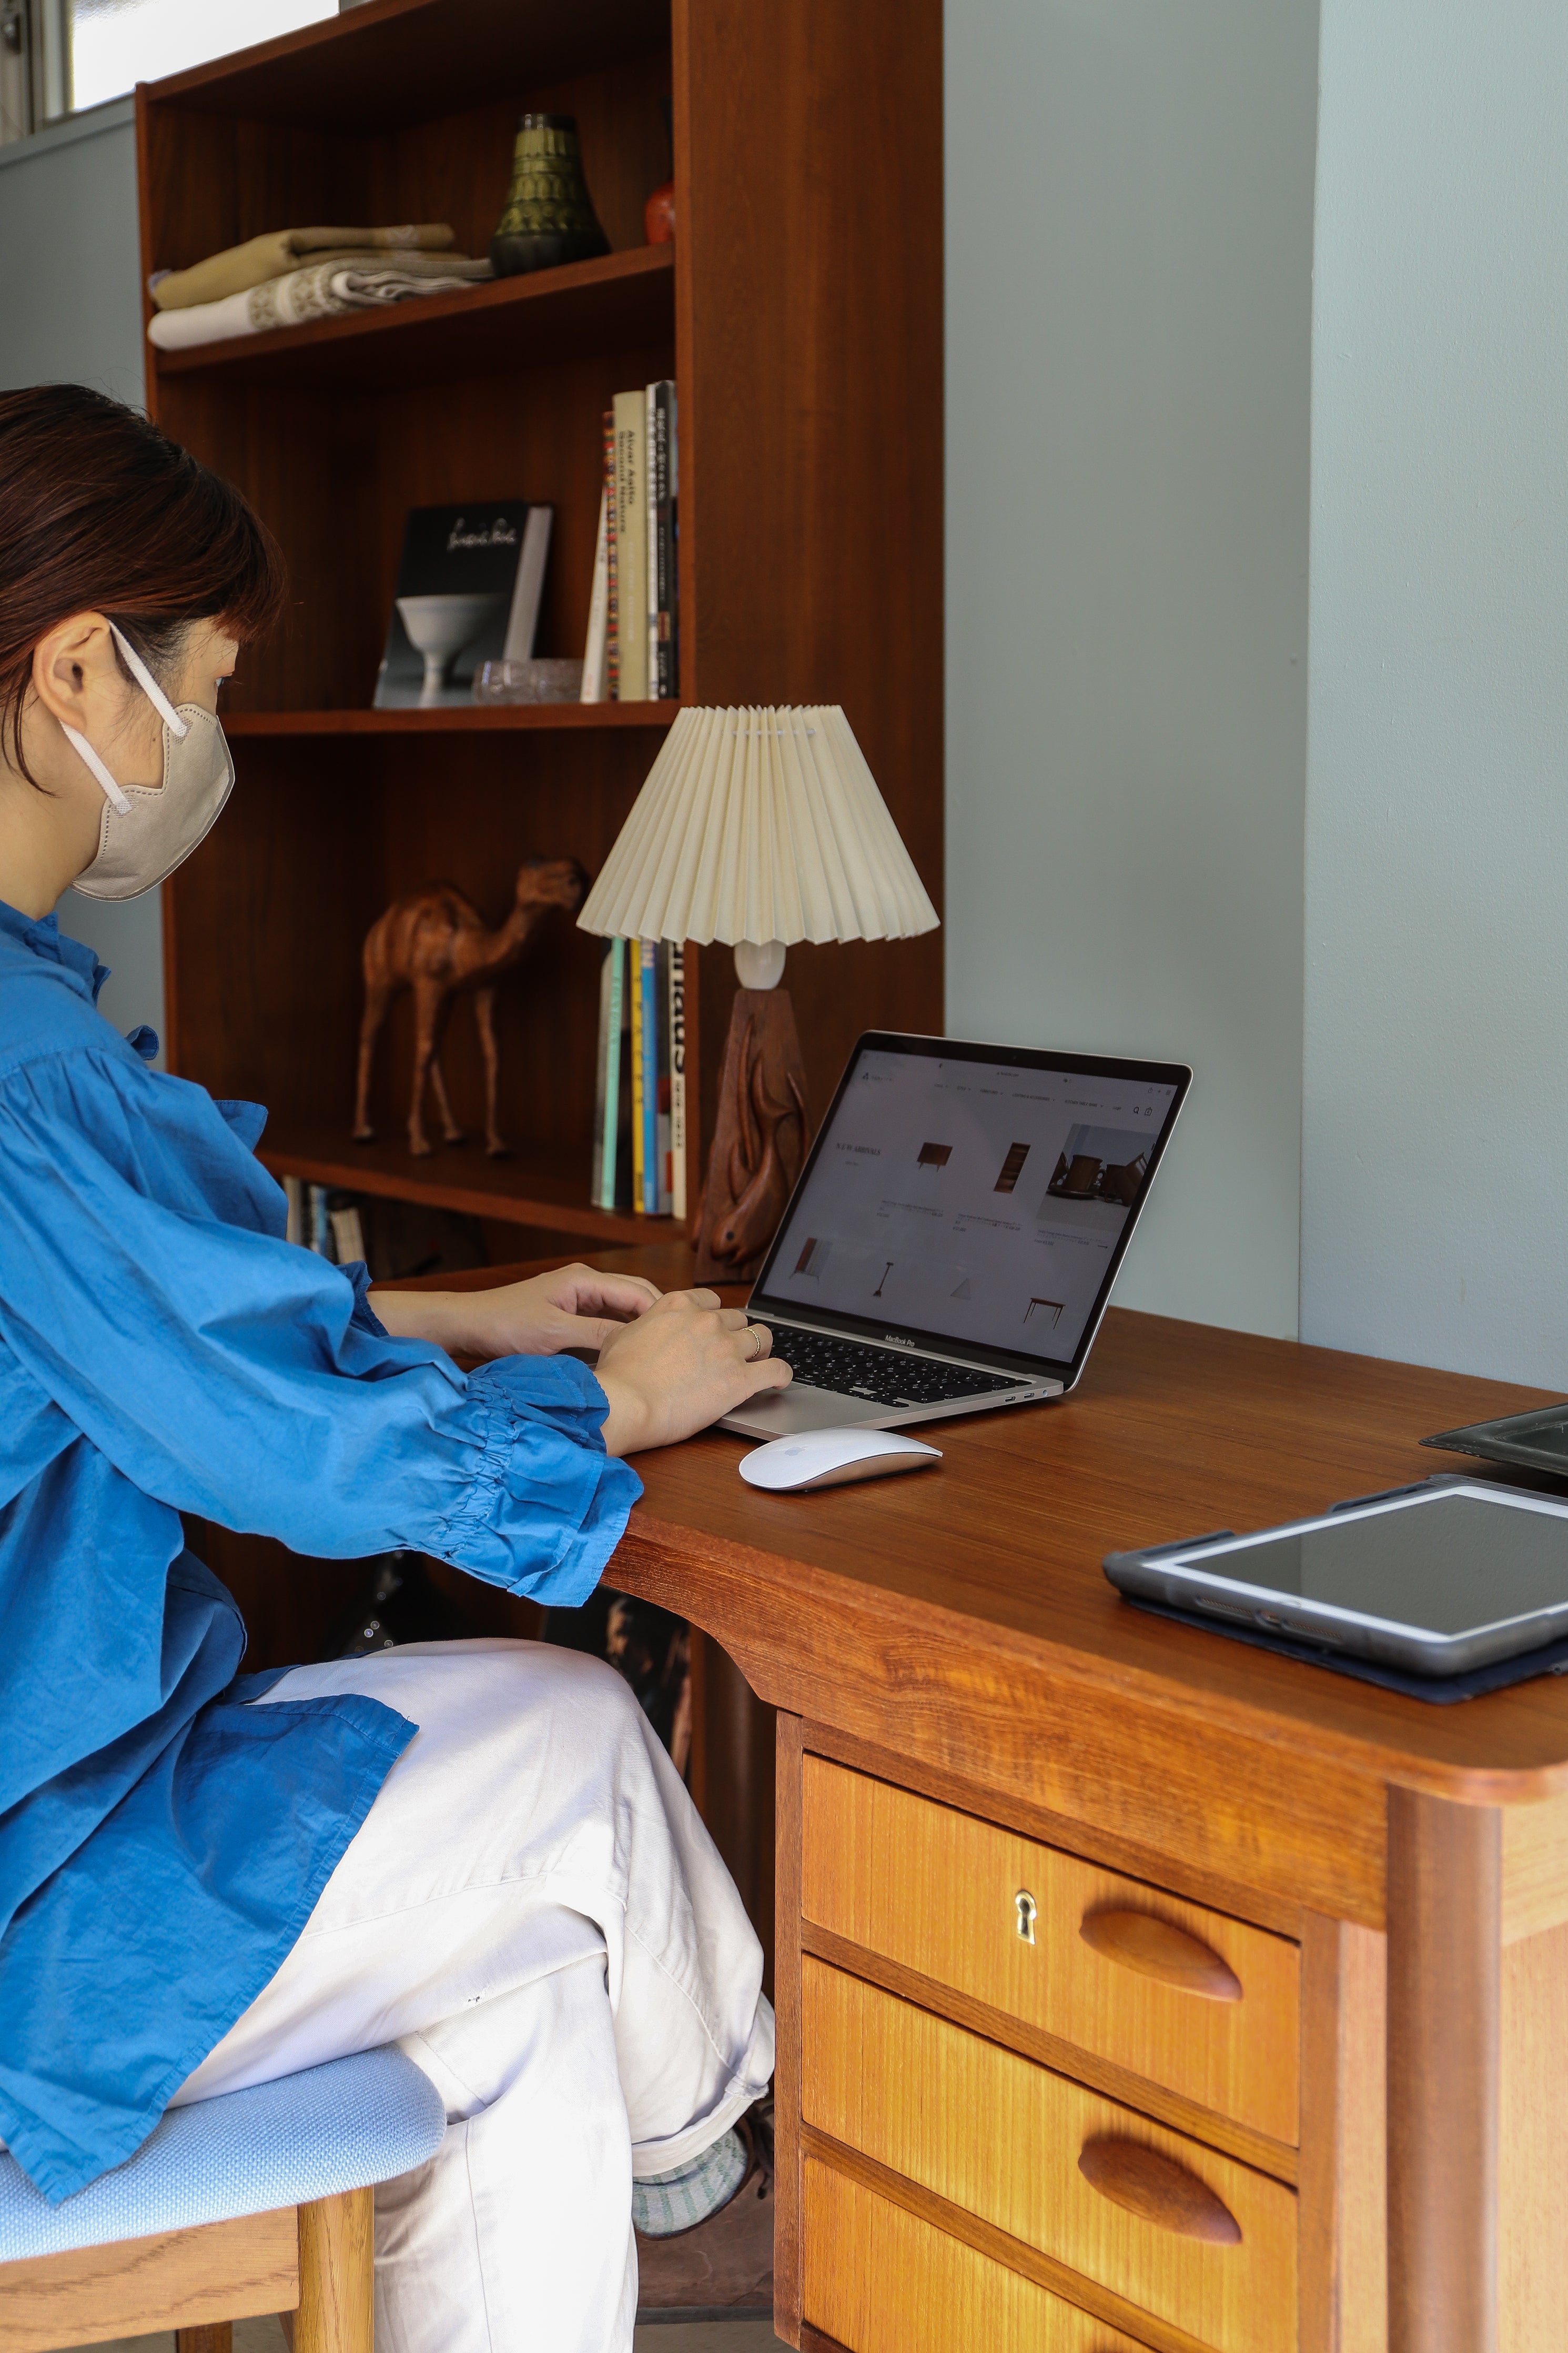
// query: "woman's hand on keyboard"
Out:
[685,1362]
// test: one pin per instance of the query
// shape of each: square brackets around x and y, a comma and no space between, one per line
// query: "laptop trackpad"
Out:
[785,1413]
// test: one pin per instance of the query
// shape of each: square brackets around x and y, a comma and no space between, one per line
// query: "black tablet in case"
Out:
[1438,1579]
[1530,1442]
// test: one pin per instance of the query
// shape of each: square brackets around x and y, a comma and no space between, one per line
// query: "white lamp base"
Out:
[759,967]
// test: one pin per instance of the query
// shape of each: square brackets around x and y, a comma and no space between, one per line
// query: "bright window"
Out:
[115,44]
[59,57]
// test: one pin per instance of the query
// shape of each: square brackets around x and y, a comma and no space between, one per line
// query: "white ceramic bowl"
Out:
[440,626]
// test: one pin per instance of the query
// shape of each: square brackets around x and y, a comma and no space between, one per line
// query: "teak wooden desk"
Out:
[1137,1988]
[969,1715]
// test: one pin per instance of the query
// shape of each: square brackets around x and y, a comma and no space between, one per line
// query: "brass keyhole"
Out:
[1028,1912]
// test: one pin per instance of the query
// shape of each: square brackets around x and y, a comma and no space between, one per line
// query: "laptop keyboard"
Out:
[852,1369]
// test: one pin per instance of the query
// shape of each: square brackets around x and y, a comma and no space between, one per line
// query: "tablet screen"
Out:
[1446,1564]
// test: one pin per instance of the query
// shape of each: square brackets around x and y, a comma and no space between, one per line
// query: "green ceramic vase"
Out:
[549,217]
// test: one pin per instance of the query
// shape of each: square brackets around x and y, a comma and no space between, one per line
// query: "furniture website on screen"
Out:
[970,1199]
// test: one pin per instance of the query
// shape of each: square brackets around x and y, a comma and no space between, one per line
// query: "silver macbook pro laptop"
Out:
[953,1240]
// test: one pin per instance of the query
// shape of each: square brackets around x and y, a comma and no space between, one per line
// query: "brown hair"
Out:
[102,512]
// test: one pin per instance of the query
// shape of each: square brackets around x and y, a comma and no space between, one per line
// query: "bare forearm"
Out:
[571,1307]
[668,1365]
[444,1317]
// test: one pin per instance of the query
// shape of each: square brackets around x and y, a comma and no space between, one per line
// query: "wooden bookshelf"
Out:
[800,312]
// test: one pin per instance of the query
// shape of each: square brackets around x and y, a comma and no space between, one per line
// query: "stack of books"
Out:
[633,650]
[324,1220]
[640,1116]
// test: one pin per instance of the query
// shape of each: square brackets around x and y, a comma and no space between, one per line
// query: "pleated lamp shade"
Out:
[760,826]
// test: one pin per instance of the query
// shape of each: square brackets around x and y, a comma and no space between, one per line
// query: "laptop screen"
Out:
[975,1194]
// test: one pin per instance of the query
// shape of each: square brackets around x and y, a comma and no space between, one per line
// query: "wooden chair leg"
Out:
[219,2338]
[337,2275]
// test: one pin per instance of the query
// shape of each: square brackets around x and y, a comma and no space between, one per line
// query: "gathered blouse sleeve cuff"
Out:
[362,1316]
[542,1491]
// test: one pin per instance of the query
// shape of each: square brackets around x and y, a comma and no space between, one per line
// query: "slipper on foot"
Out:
[725,2262]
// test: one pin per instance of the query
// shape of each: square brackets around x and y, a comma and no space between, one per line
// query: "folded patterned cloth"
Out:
[323,291]
[244,266]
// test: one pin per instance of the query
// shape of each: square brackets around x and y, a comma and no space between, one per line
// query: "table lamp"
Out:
[758,828]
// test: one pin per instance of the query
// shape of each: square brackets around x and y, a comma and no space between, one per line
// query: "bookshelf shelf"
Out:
[544,318]
[541,1185]
[476,719]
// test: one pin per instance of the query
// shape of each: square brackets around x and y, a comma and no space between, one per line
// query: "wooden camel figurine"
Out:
[436,941]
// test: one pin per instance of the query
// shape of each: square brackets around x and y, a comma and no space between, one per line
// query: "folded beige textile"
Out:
[323,290]
[244,266]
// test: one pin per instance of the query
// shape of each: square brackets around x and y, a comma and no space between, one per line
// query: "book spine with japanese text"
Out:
[633,991]
[651,1025]
[651,508]
[622,1198]
[676,1080]
[661,1086]
[601,1184]
[612,569]
[631,544]
[664,668]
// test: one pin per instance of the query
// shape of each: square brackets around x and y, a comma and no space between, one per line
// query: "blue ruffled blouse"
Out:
[163,1349]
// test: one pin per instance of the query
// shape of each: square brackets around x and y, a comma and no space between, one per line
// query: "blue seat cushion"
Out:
[341,2127]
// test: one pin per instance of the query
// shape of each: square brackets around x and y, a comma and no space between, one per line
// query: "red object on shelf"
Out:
[658,215]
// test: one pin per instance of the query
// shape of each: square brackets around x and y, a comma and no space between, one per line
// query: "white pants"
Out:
[535,1912]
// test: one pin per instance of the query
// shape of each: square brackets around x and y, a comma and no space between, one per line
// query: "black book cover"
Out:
[601,1074]
[624,1097]
[665,466]
[467,550]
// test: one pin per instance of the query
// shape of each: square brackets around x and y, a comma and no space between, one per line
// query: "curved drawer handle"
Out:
[1155,1949]
[1158,2190]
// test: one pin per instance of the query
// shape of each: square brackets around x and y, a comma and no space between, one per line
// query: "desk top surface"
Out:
[1175,1428]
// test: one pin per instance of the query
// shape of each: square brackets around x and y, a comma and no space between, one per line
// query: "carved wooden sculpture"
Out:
[436,941]
[760,1144]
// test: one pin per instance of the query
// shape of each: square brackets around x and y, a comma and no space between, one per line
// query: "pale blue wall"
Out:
[1128,292]
[1435,1071]
[70,312]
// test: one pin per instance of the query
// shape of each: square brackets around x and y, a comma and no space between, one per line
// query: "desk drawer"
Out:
[1194,2238]
[881,2281]
[939,1892]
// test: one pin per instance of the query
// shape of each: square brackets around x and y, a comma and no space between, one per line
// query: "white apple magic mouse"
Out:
[827,1458]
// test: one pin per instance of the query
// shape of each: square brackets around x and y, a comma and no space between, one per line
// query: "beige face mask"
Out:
[149,829]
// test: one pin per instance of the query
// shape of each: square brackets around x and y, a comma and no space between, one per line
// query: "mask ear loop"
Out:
[149,685]
[159,702]
[112,793]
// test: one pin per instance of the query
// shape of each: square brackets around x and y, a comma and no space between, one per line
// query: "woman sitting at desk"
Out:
[478,1849]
